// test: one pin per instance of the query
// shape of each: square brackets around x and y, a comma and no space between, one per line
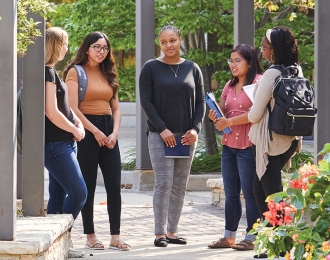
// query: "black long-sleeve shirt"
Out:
[174,103]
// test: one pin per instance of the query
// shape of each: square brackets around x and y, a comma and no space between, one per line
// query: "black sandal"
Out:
[161,242]
[177,240]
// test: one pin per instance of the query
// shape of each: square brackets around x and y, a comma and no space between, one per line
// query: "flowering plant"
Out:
[298,220]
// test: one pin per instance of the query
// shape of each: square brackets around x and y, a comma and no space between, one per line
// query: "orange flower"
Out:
[306,171]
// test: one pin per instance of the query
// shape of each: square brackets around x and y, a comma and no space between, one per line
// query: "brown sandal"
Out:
[221,243]
[244,245]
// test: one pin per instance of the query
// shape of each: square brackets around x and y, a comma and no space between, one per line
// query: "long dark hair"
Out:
[284,45]
[107,66]
[250,55]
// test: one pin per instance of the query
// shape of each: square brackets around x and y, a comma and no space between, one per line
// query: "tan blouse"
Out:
[98,92]
[258,116]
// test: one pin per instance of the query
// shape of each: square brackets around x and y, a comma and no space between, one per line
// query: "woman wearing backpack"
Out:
[237,160]
[279,47]
[100,114]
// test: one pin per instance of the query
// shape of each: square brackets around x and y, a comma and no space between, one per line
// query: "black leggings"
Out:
[90,155]
[271,181]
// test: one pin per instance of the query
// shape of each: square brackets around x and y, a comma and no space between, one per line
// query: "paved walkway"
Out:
[201,223]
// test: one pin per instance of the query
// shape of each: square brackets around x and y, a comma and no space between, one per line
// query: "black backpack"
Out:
[294,110]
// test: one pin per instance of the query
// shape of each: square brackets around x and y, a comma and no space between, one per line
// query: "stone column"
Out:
[145,50]
[244,22]
[33,125]
[321,73]
[8,88]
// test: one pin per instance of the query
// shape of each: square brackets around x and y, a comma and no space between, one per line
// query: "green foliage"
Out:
[127,84]
[295,14]
[129,160]
[27,30]
[115,18]
[206,163]
[299,159]
[202,162]
[305,234]
[196,19]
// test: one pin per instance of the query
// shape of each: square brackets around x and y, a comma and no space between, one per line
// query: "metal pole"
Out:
[8,152]
[145,50]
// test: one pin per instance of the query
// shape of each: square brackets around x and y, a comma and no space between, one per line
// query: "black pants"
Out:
[90,155]
[271,181]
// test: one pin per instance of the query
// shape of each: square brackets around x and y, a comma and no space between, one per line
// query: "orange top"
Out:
[98,92]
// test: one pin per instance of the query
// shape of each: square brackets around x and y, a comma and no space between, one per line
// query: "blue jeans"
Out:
[238,172]
[67,188]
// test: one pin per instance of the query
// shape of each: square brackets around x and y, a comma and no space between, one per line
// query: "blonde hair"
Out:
[55,39]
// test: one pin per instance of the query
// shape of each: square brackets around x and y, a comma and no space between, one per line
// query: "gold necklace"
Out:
[175,72]
[97,77]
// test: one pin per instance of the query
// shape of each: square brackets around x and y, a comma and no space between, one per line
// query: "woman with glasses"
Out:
[279,47]
[100,114]
[237,161]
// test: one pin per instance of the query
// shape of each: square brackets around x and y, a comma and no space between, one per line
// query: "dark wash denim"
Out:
[90,156]
[238,172]
[67,188]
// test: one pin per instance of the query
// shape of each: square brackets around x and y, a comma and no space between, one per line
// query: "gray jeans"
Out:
[171,176]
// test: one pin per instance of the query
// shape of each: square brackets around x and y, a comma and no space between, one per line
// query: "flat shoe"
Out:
[177,240]
[94,244]
[243,245]
[122,248]
[161,242]
[265,255]
[221,243]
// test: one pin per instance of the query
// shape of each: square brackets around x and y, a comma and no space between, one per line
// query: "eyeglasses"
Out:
[98,48]
[235,62]
[262,48]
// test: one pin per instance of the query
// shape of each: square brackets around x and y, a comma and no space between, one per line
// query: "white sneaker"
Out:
[74,253]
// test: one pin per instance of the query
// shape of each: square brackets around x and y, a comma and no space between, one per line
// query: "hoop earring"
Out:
[271,57]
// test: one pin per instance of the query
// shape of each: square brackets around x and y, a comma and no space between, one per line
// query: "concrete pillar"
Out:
[33,125]
[145,50]
[19,156]
[8,152]
[244,22]
[322,76]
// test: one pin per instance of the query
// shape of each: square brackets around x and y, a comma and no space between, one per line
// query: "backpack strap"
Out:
[82,82]
[269,122]
[281,69]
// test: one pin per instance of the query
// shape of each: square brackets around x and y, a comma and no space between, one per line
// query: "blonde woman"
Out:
[67,189]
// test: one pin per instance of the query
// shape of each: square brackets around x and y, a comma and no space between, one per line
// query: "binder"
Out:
[178,151]
[212,104]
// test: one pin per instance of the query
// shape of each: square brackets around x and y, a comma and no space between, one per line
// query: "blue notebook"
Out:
[178,151]
[212,104]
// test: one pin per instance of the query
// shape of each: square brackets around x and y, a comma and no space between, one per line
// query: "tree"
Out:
[27,30]
[206,27]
